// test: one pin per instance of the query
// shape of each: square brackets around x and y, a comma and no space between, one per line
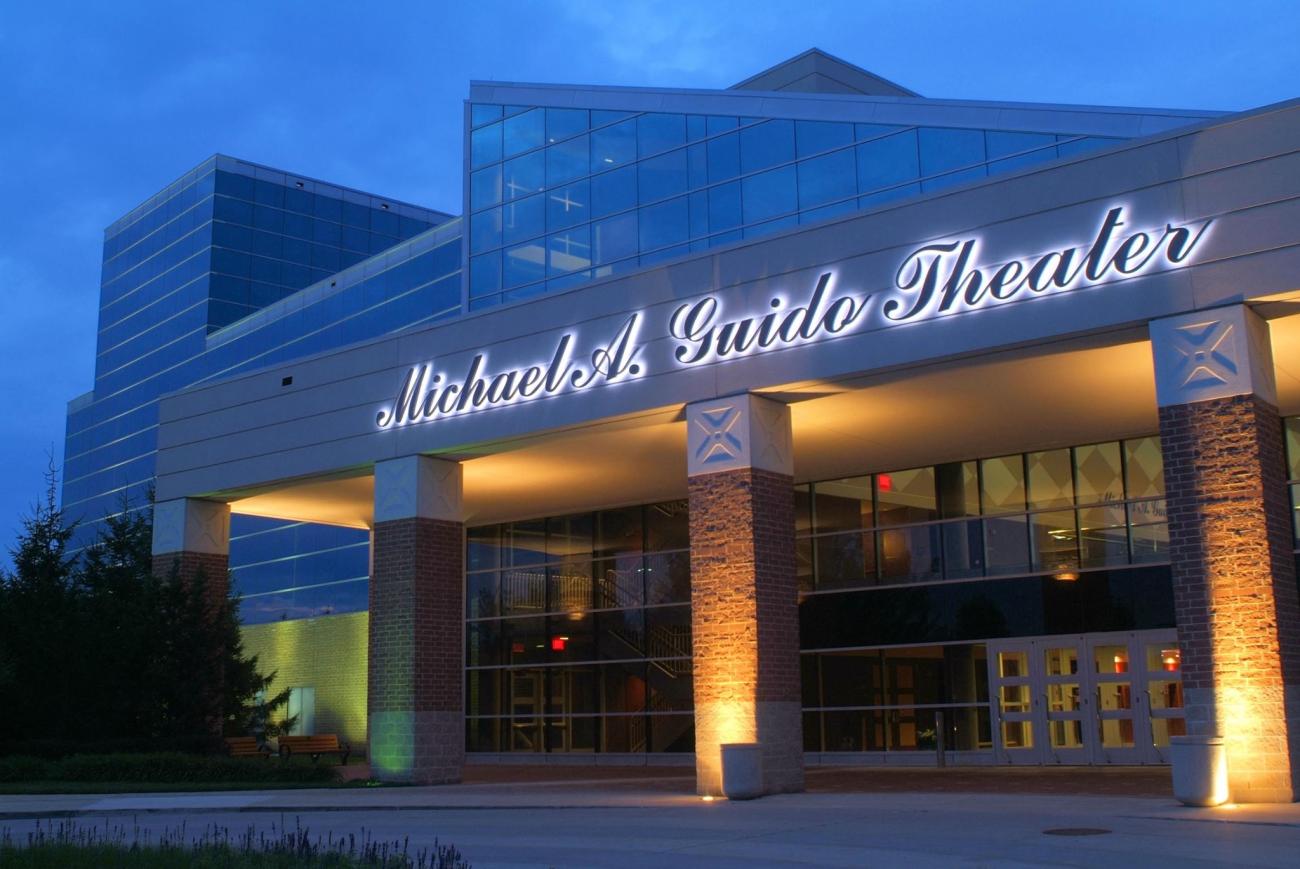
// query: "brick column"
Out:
[744,594]
[1231,544]
[415,705]
[192,536]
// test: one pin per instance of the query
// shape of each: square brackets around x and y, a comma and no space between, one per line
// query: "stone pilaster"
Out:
[1231,544]
[192,537]
[744,594]
[415,703]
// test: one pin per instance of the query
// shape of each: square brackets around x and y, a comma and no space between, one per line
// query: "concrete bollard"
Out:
[1200,768]
[742,771]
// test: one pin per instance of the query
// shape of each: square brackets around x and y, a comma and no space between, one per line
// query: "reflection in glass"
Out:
[842,505]
[659,132]
[769,194]
[613,146]
[813,137]
[524,218]
[910,554]
[845,560]
[826,179]
[524,132]
[887,161]
[1103,540]
[566,161]
[766,144]
[614,238]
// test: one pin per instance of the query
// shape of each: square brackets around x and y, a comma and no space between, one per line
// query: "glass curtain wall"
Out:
[558,196]
[1057,512]
[578,633]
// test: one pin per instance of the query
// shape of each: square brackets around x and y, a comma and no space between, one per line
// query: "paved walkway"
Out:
[648,817]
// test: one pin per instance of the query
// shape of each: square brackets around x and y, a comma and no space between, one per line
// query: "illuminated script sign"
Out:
[934,280]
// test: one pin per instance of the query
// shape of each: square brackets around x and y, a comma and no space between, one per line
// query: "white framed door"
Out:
[1090,699]
[1018,728]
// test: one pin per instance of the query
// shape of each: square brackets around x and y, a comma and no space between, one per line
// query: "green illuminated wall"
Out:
[327,653]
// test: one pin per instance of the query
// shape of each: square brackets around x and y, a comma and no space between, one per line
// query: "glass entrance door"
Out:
[1095,699]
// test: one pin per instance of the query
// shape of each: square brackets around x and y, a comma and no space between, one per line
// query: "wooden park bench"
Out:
[315,746]
[246,746]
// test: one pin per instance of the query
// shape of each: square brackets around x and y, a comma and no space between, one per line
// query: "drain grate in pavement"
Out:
[1075,831]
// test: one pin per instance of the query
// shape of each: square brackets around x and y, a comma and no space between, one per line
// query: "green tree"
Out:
[40,657]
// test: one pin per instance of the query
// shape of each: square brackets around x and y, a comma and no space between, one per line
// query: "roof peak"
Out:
[816,71]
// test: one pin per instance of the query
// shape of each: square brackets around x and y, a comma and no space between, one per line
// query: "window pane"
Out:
[666,526]
[667,577]
[524,264]
[485,230]
[698,166]
[813,137]
[769,194]
[1097,470]
[484,187]
[566,161]
[842,505]
[888,161]
[766,144]
[1002,484]
[724,157]
[724,206]
[959,489]
[1102,539]
[523,132]
[485,146]
[525,175]
[1006,545]
[1143,468]
[1051,481]
[827,178]
[569,250]
[568,205]
[662,176]
[524,218]
[613,191]
[664,224]
[656,133]
[944,149]
[485,274]
[563,123]
[963,549]
[569,586]
[614,238]
[845,560]
[613,146]
[910,554]
[1148,532]
[481,113]
[1055,541]
[1001,144]
[871,131]
[717,124]
[906,496]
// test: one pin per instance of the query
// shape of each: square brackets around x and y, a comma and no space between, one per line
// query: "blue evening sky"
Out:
[103,104]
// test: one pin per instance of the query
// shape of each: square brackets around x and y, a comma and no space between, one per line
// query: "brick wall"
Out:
[416,651]
[216,570]
[1235,593]
[744,622]
[326,653]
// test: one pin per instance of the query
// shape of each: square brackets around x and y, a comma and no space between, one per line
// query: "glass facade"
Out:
[226,241]
[559,196]
[1059,511]
[578,633]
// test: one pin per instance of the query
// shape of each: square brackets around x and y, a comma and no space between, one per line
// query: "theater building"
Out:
[809,413]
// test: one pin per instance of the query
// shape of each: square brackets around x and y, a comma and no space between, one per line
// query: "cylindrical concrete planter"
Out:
[1200,767]
[742,771]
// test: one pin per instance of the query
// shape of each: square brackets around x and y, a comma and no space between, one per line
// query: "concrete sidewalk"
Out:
[648,820]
